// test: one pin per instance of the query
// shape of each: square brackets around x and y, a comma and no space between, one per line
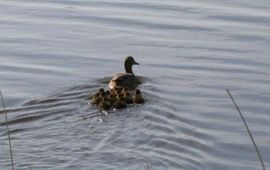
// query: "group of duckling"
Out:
[116,98]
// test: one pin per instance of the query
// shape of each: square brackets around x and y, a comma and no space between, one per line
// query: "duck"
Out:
[127,79]
[120,103]
[124,90]
[97,100]
[105,105]
[97,94]
[112,98]
[128,98]
[107,93]
[138,97]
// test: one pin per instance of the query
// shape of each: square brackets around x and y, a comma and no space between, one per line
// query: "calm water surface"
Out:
[53,54]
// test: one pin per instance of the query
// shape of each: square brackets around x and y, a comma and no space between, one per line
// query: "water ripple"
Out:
[55,53]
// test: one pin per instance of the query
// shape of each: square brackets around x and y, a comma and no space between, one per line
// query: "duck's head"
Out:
[107,93]
[138,99]
[102,93]
[129,62]
[138,92]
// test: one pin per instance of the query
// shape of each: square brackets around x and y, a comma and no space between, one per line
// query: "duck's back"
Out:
[122,80]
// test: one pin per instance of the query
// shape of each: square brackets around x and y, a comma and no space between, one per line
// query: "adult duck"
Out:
[125,80]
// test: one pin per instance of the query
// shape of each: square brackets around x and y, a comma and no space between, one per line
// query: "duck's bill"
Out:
[136,63]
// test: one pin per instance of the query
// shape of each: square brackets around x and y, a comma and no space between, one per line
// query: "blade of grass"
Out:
[9,140]
[249,132]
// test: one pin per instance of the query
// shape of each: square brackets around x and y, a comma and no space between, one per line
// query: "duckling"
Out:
[112,98]
[107,93]
[93,97]
[124,90]
[120,103]
[102,96]
[127,79]
[113,91]
[99,97]
[101,90]
[105,105]
[119,96]
[128,98]
[98,100]
[118,90]
[138,97]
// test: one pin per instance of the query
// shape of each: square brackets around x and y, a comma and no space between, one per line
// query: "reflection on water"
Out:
[54,54]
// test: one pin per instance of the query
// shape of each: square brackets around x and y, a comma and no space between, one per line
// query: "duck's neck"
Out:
[128,68]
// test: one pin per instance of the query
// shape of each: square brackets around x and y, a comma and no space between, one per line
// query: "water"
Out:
[53,54]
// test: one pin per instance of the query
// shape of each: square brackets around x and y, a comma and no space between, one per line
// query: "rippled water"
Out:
[53,54]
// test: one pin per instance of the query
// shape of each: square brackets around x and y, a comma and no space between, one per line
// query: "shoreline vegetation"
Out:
[8,131]
[247,128]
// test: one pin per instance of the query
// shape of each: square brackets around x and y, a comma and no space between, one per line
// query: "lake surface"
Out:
[53,54]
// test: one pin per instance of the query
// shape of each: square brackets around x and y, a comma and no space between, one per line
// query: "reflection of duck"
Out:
[127,79]
[138,97]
